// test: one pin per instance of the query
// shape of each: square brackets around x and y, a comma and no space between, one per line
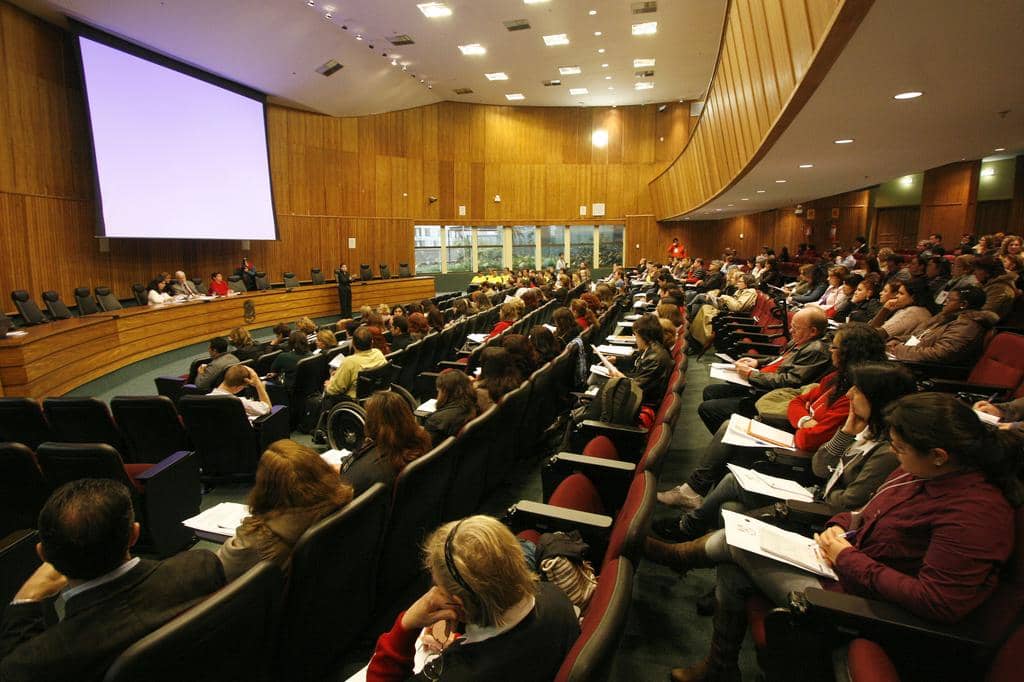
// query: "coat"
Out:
[954,340]
[269,537]
[797,366]
[1000,293]
[862,473]
[743,301]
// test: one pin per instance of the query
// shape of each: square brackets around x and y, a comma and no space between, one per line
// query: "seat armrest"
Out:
[611,477]
[769,349]
[609,427]
[579,460]
[595,529]
[561,515]
[951,386]
[171,494]
[936,370]
[450,364]
[162,465]
[273,426]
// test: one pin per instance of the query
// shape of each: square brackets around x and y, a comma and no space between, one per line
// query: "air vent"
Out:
[516,24]
[649,73]
[401,39]
[463,91]
[329,68]
[552,83]
[644,7]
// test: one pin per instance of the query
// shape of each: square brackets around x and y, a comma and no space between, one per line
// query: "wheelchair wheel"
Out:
[346,425]
[413,403]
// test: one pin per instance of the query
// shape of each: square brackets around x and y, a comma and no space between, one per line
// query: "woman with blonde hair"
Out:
[483,590]
[294,489]
[506,318]
[667,311]
[393,439]
[325,340]
[306,326]
[246,347]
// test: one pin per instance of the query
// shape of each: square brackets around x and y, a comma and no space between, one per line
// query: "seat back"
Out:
[410,365]
[22,421]
[150,425]
[290,280]
[22,488]
[658,441]
[1002,363]
[317,275]
[229,636]
[509,440]
[55,306]
[310,374]
[416,507]
[428,349]
[633,520]
[200,285]
[65,462]
[220,432]
[668,410]
[139,294]
[403,270]
[85,302]
[994,619]
[602,625]
[27,308]
[369,381]
[82,420]
[262,283]
[236,284]
[18,560]
[1009,661]
[469,461]
[578,492]
[365,272]
[265,361]
[385,273]
[106,300]
[334,563]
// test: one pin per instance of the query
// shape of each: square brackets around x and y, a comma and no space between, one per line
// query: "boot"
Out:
[681,556]
[722,662]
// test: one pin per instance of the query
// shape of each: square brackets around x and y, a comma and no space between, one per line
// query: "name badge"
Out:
[912,341]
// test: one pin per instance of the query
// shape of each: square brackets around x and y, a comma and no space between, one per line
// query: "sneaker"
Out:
[681,496]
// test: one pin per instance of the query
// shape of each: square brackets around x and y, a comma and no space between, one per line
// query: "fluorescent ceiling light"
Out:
[907,180]
[845,140]
[643,63]
[999,149]
[643,85]
[912,94]
[760,191]
[513,96]
[598,33]
[600,137]
[433,10]
[569,70]
[600,50]
[579,91]
[780,181]
[497,76]
[807,165]
[988,171]
[473,49]
[534,2]
[592,12]
[647,28]
[745,199]
[556,39]
[604,66]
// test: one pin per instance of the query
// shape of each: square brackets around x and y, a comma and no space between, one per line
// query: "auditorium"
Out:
[511,340]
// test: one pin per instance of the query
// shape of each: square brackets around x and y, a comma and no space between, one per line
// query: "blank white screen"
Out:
[176,157]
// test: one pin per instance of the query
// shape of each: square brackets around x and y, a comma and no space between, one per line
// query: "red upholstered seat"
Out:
[658,441]
[1002,363]
[1009,662]
[634,517]
[530,535]
[577,492]
[994,619]
[602,447]
[866,661]
[758,608]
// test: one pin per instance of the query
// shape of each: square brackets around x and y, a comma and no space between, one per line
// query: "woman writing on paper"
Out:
[932,539]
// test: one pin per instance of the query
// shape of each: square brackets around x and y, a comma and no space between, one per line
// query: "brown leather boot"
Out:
[681,556]
[722,662]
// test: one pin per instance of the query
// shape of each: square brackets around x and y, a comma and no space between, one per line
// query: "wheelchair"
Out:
[344,426]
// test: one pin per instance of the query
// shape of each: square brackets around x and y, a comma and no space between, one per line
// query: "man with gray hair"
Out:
[183,286]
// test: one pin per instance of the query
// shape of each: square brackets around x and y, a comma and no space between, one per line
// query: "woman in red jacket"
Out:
[218,287]
[932,540]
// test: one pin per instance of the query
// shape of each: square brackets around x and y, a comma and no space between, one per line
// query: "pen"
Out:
[850,534]
[992,397]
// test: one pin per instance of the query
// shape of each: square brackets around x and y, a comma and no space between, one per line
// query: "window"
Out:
[610,240]
[460,248]
[581,245]
[552,243]
[524,247]
[488,248]
[427,248]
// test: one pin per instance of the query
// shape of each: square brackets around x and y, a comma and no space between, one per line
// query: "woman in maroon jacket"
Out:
[931,540]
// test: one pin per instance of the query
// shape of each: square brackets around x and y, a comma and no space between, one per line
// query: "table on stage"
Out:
[51,359]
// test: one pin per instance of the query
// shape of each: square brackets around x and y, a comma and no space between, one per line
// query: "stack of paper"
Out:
[627,339]
[600,370]
[218,523]
[772,486]
[986,417]
[476,338]
[621,351]
[429,407]
[630,317]
[725,372]
[335,457]
[739,433]
[758,537]
[626,324]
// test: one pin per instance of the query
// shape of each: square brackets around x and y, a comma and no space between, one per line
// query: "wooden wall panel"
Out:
[896,227]
[772,57]
[992,217]
[949,198]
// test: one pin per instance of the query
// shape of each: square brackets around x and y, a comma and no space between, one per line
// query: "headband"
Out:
[449,560]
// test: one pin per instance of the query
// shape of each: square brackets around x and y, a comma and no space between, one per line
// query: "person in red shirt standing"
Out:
[676,250]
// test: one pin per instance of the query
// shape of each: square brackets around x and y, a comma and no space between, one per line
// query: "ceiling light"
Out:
[534,2]
[497,76]
[579,91]
[988,171]
[718,210]
[569,70]
[394,62]
[327,8]
[513,96]
[807,165]
[556,39]
[592,12]
[744,199]
[433,10]
[599,137]
[473,49]
[607,78]
[647,28]
[611,87]
[999,149]
[845,140]
[643,85]
[598,33]
[359,37]
[907,180]
[328,15]
[604,66]
[780,181]
[911,94]
[643,63]
[732,204]
[760,191]
[600,50]
[310,3]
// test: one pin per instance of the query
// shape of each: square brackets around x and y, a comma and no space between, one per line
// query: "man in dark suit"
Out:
[344,290]
[90,600]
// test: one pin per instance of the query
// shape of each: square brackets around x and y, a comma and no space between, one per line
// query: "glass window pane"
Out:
[427,248]
[460,248]
[552,243]
[611,248]
[581,239]
[488,248]
[523,247]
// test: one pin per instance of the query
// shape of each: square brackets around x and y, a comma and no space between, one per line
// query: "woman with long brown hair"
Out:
[393,439]
[294,489]
[456,405]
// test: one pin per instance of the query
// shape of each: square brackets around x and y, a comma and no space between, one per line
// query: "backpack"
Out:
[617,402]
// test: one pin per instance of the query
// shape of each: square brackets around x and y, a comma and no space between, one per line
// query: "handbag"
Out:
[773,406]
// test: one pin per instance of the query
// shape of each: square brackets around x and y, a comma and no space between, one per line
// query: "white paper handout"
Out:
[738,433]
[726,372]
[476,338]
[630,317]
[429,407]
[609,368]
[772,486]
[725,358]
[335,457]
[758,537]
[600,370]
[621,351]
[986,417]
[624,339]
[218,523]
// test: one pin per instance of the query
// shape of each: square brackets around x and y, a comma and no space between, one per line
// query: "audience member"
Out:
[456,405]
[524,356]
[282,370]
[110,599]
[364,357]
[393,439]
[498,376]
[811,285]
[544,343]
[654,364]
[566,328]
[236,379]
[400,336]
[582,313]
[903,309]
[863,304]
[418,326]
[999,286]
[246,347]
[507,317]
[953,336]
[220,359]
[325,341]
[282,332]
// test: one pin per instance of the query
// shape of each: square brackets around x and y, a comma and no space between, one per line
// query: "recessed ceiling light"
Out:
[744,199]
[599,137]
[643,63]
[780,181]
[598,33]
[760,191]
[513,96]
[310,3]
[328,15]
[807,165]
[600,50]
[718,210]
[359,37]
[496,76]
[999,149]
[643,85]
[611,87]
[845,140]
[473,49]
[607,78]
[911,94]
[394,62]
[604,66]
[569,70]
[534,2]
[579,91]
[556,39]
[732,204]
[647,28]
[592,12]
[433,10]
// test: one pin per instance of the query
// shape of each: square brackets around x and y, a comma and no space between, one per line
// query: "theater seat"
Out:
[236,284]
[22,488]
[365,271]
[262,283]
[18,560]
[385,273]
[201,286]
[22,421]
[229,446]
[55,306]
[140,294]
[106,300]
[150,425]
[82,420]
[229,636]
[163,494]
[403,270]
[27,308]
[85,302]
[316,276]
[290,280]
